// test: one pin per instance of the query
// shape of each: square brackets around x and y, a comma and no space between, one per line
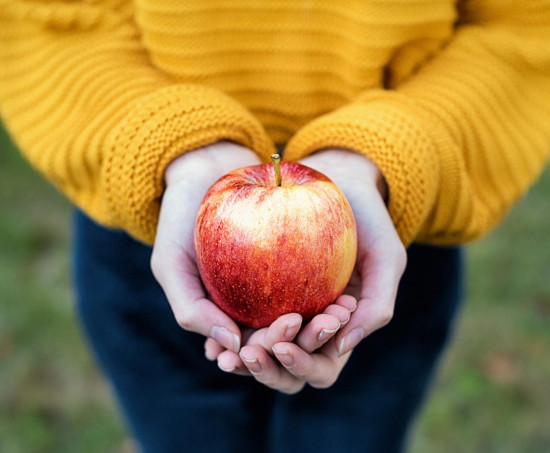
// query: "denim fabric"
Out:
[174,400]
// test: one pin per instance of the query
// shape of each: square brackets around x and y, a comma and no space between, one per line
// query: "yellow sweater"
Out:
[452,101]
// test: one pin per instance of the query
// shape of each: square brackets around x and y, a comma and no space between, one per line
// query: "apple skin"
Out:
[265,250]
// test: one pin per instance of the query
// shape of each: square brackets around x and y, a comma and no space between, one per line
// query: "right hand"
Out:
[173,262]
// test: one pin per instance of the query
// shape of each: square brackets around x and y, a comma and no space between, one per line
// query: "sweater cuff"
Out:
[159,128]
[384,127]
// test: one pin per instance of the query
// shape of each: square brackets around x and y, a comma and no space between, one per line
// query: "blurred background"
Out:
[492,393]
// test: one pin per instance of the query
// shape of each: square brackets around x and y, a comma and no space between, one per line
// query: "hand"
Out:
[309,355]
[173,263]
[381,256]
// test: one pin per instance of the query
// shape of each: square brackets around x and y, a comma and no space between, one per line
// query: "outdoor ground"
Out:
[492,393]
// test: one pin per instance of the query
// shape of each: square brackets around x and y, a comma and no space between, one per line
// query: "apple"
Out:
[273,239]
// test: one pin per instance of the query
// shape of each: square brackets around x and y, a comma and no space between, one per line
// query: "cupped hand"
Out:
[381,256]
[286,355]
[173,262]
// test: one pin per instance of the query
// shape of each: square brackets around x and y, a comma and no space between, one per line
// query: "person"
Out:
[432,117]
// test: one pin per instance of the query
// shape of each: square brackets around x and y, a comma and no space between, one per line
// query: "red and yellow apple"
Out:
[273,239]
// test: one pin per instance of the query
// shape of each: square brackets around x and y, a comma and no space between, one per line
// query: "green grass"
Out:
[492,393]
[52,399]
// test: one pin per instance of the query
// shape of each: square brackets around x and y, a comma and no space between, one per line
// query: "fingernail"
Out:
[291,331]
[227,370]
[343,323]
[253,365]
[226,338]
[350,304]
[325,334]
[351,340]
[284,357]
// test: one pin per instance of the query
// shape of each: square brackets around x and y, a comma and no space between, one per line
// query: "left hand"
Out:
[381,256]
[381,261]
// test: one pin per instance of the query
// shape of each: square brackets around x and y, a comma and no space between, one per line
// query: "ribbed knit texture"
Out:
[452,103]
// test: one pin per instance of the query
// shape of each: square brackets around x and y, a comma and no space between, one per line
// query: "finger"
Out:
[268,372]
[204,317]
[283,328]
[212,349]
[230,362]
[341,313]
[318,370]
[347,301]
[317,332]
[380,281]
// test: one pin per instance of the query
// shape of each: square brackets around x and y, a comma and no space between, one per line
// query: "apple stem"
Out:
[276,158]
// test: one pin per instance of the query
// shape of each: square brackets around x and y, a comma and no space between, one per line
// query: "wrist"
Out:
[348,169]
[216,159]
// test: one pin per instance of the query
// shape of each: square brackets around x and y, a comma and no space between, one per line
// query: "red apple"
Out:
[265,247]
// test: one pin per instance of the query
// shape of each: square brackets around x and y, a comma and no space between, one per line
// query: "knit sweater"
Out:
[450,99]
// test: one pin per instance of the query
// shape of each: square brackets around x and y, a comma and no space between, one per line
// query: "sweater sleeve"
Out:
[464,136]
[87,108]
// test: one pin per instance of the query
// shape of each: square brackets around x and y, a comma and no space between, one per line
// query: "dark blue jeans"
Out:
[175,400]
